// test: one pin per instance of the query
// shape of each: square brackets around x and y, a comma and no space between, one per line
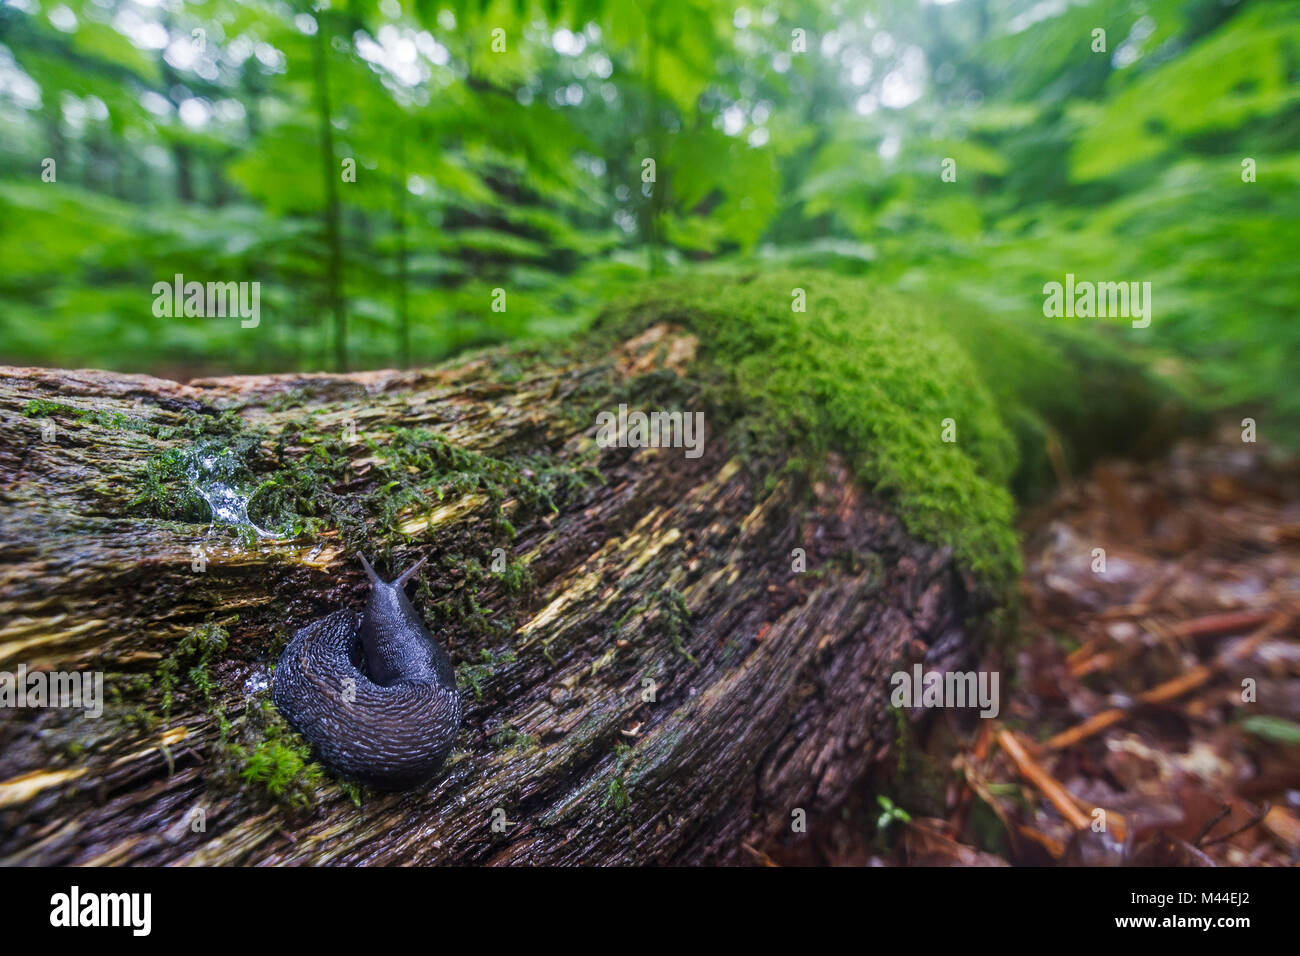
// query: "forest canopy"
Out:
[405,180]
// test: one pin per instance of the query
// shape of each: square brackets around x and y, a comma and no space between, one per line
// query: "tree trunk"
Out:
[663,684]
[335,295]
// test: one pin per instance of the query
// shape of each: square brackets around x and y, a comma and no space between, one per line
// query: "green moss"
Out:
[297,481]
[616,795]
[192,656]
[864,373]
[516,577]
[852,562]
[264,753]
[73,749]
[473,676]
[508,736]
[675,620]
[256,752]
[290,398]
[667,614]
[417,463]
[460,607]
[355,791]
[162,490]
[616,792]
[185,425]
[41,408]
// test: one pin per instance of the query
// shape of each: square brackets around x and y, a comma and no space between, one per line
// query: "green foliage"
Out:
[1277,729]
[890,813]
[480,168]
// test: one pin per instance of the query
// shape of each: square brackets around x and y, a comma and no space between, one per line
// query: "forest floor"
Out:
[1163,690]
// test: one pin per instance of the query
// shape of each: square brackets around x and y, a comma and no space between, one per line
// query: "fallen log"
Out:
[664,658]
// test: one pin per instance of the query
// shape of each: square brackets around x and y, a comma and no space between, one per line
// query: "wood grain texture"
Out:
[772,696]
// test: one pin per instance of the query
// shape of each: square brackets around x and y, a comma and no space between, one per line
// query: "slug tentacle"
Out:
[374,693]
[406,575]
[370,572]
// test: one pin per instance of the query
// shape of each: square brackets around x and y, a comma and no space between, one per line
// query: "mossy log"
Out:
[652,671]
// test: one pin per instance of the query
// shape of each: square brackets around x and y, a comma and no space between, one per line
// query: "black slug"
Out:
[374,693]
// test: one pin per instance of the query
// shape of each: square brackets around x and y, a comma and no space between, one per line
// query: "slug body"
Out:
[374,693]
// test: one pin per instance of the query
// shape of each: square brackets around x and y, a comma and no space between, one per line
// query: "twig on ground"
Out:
[1032,771]
[1170,689]
[1252,822]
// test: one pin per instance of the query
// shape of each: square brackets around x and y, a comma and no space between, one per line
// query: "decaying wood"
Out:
[774,699]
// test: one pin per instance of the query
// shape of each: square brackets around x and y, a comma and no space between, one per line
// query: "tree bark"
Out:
[669,688]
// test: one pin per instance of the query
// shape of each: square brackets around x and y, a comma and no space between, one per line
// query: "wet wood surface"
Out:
[669,688]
